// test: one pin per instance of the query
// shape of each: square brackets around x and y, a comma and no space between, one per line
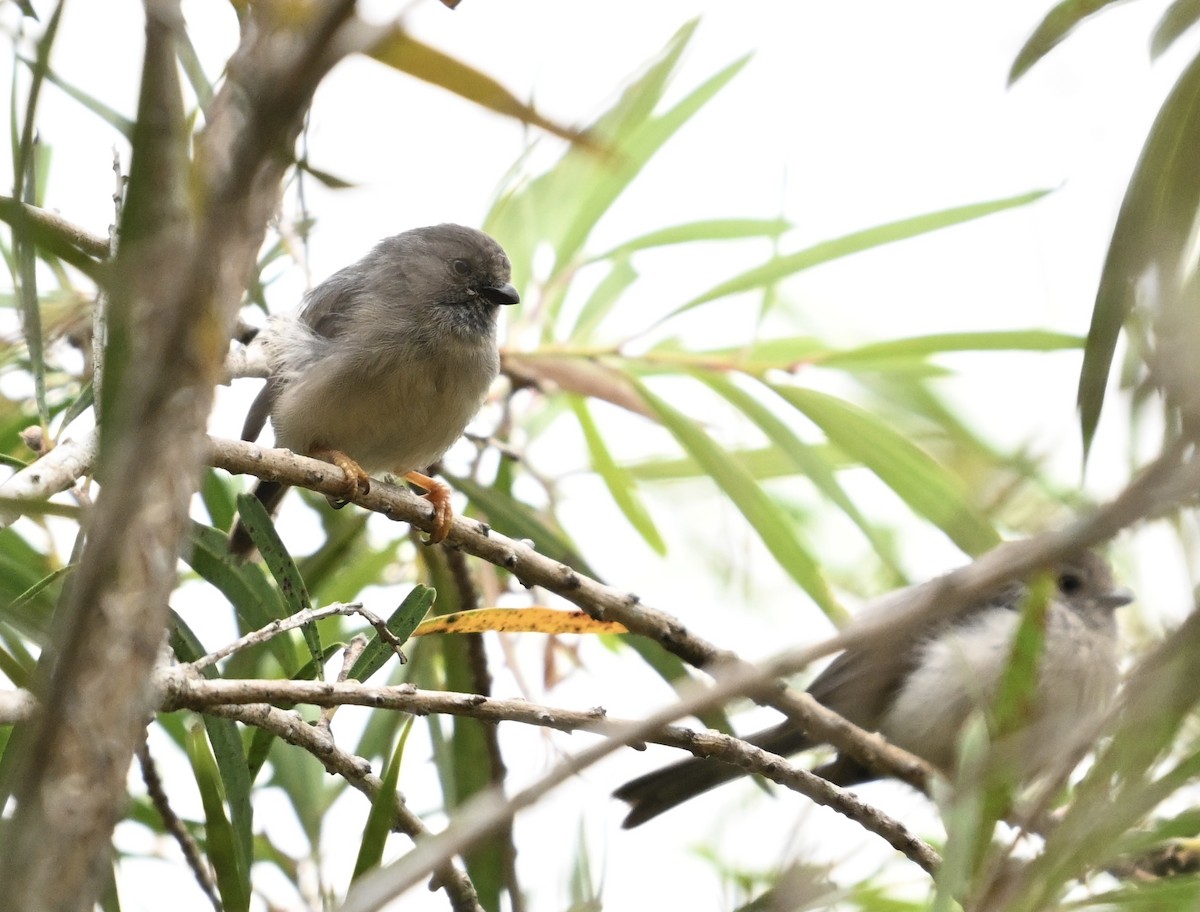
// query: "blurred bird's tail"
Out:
[661,790]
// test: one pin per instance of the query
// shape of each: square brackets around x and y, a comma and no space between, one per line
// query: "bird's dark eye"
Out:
[462,267]
[1070,583]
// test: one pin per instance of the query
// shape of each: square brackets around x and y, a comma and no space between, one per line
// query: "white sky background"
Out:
[850,114]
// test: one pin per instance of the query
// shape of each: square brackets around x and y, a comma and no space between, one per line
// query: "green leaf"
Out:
[632,155]
[119,122]
[765,517]
[246,587]
[217,492]
[383,811]
[807,459]
[913,474]
[401,51]
[226,742]
[232,873]
[1152,238]
[780,267]
[402,623]
[674,671]
[516,520]
[603,298]
[262,532]
[1059,23]
[920,347]
[620,483]
[704,230]
[1179,17]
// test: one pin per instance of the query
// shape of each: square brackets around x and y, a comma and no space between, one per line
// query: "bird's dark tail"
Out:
[269,494]
[661,790]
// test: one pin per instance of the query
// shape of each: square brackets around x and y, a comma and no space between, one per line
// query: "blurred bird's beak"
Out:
[1117,598]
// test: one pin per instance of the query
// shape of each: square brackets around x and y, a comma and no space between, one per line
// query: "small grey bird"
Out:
[918,689]
[387,362]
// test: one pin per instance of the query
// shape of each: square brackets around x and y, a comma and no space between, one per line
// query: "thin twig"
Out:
[276,627]
[191,851]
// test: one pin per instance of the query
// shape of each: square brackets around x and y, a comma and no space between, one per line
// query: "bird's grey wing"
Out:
[328,306]
[861,683]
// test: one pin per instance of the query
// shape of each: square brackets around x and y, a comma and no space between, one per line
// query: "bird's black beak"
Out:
[499,294]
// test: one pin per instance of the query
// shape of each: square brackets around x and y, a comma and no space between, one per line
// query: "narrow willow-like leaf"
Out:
[761,463]
[603,298]
[517,520]
[244,585]
[231,870]
[806,459]
[921,347]
[632,155]
[530,213]
[1152,238]
[1179,17]
[619,482]
[402,622]
[275,555]
[904,467]
[383,811]
[119,122]
[226,743]
[401,51]
[703,230]
[765,517]
[1059,23]
[780,267]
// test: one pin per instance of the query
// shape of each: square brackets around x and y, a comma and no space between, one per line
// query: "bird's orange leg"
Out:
[356,479]
[438,494]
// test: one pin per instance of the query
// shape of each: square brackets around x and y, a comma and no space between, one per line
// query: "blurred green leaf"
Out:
[619,482]
[1152,239]
[674,671]
[805,458]
[401,51]
[780,267]
[1059,23]
[703,230]
[517,520]
[909,471]
[217,492]
[1179,17]
[383,811]
[765,517]
[920,347]
[603,298]
[231,870]
[119,122]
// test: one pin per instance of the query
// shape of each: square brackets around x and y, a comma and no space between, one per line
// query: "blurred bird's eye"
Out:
[1069,583]
[462,267]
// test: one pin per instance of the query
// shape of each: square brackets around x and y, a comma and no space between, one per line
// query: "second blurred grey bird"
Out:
[387,362]
[919,688]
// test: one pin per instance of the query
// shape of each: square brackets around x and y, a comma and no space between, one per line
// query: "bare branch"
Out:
[53,473]
[181,689]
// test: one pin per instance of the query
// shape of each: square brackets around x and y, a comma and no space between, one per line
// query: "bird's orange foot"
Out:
[438,494]
[357,480]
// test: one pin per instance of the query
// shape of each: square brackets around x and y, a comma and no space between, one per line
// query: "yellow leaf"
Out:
[517,620]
